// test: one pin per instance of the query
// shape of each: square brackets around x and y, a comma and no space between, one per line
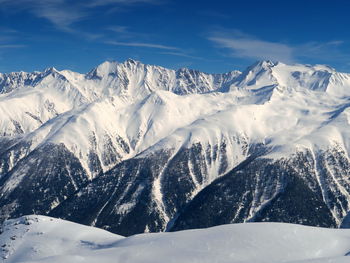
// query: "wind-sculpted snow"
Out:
[42,239]
[134,148]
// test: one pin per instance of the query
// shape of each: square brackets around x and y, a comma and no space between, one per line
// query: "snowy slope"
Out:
[62,106]
[129,141]
[43,239]
[135,104]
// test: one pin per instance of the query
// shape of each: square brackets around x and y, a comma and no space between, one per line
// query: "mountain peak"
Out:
[320,67]
[50,70]
[132,61]
[188,70]
[265,64]
[104,69]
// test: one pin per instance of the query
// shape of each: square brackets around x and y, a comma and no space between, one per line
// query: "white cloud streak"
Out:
[140,44]
[241,45]
[249,47]
[11,46]
[95,3]
[63,13]
[119,29]
[180,54]
[7,37]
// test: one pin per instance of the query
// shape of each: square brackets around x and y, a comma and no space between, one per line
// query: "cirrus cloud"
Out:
[140,44]
[63,13]
[242,45]
[245,46]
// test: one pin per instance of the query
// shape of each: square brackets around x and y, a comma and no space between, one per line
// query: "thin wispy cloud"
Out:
[119,29]
[124,32]
[180,54]
[11,46]
[64,13]
[241,45]
[140,40]
[95,3]
[9,38]
[7,30]
[61,13]
[330,50]
[140,44]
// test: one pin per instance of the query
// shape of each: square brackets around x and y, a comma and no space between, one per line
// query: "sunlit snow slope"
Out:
[44,239]
[135,148]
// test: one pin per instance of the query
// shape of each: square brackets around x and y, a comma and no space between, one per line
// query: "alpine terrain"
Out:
[34,239]
[134,148]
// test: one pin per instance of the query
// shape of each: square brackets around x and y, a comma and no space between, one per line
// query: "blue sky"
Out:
[211,36]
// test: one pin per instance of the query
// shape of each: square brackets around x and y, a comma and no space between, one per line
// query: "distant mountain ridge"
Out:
[135,148]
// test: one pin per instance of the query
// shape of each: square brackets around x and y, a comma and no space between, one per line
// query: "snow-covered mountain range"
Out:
[136,148]
[44,239]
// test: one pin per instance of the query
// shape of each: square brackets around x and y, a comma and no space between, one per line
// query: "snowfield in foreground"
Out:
[45,239]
